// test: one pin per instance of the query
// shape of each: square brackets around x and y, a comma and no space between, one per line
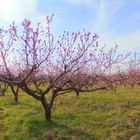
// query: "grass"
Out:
[91,116]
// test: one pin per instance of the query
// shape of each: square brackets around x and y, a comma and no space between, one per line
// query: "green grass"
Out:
[91,116]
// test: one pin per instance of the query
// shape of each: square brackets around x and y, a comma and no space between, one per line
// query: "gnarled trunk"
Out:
[46,107]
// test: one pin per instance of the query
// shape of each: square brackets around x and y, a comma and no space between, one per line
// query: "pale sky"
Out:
[115,21]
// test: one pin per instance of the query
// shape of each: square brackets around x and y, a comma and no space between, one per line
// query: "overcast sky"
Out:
[115,21]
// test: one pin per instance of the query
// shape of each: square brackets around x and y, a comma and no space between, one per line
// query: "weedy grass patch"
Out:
[91,116]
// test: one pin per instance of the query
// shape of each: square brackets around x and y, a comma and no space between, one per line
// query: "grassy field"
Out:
[92,116]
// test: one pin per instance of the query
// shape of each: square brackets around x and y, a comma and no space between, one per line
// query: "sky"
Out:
[115,21]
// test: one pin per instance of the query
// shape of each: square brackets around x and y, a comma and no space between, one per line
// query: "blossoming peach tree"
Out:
[35,61]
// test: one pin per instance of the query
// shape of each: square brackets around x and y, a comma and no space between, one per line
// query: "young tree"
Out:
[133,71]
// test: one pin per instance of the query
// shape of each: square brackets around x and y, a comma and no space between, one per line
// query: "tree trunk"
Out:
[77,93]
[3,93]
[16,97]
[3,89]
[48,114]
[46,107]
[15,92]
